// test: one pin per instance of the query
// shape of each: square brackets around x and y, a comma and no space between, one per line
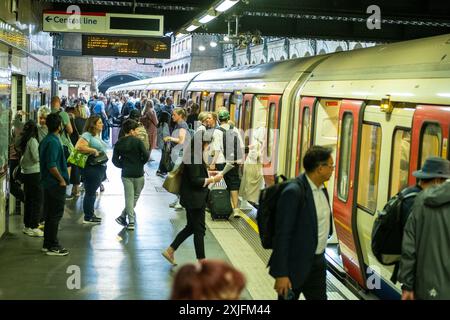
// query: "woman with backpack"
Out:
[30,165]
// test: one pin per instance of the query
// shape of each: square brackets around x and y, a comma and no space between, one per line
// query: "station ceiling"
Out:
[323,19]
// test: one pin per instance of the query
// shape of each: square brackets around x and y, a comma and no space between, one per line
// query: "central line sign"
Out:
[103,23]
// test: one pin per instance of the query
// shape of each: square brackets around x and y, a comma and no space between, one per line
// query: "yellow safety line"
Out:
[250,222]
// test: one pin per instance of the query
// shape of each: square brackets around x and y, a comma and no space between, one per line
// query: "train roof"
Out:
[133,85]
[273,76]
[409,71]
[172,82]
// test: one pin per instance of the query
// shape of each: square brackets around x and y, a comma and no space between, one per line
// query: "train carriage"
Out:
[382,110]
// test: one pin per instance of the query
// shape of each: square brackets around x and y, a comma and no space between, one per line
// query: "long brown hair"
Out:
[90,124]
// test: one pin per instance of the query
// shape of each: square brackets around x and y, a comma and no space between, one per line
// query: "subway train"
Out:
[382,110]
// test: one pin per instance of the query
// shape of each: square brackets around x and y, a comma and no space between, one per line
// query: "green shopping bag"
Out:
[77,158]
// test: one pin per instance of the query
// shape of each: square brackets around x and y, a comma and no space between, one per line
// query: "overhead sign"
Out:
[103,23]
[125,46]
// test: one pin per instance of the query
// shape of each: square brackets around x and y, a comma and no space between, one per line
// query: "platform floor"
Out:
[118,264]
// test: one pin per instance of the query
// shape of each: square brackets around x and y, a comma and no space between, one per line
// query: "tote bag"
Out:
[77,158]
[173,180]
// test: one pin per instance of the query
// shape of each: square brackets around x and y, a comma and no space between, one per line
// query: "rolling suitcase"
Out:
[114,135]
[219,203]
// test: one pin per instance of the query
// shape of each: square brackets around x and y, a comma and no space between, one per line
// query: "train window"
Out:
[305,135]
[271,130]
[247,119]
[400,161]
[369,163]
[345,156]
[218,101]
[430,141]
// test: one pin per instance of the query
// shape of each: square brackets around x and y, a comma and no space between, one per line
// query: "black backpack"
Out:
[387,231]
[267,210]
[230,138]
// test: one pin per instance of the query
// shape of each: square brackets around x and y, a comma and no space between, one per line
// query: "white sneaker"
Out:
[36,232]
[236,213]
[26,230]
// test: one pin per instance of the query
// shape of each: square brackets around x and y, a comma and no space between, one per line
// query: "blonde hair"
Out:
[202,116]
[43,111]
[181,112]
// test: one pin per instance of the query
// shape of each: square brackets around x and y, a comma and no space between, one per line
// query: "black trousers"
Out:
[33,199]
[196,226]
[315,286]
[55,198]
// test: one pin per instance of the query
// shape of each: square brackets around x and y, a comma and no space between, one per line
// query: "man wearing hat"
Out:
[430,175]
[426,239]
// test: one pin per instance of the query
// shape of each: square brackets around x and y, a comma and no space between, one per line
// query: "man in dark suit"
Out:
[302,229]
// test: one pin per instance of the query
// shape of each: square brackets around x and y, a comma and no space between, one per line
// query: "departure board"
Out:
[126,46]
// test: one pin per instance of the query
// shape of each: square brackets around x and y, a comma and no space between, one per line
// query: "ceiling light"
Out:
[226,38]
[225,5]
[207,18]
[192,27]
[201,48]
[213,44]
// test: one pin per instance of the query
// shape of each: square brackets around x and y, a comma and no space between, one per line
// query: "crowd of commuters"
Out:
[198,143]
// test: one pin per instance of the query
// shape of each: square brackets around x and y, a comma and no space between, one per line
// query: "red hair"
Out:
[208,280]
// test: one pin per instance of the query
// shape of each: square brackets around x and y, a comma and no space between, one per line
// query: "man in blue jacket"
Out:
[302,229]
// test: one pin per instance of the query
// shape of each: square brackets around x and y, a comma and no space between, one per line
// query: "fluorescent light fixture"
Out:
[213,44]
[444,95]
[207,18]
[192,27]
[225,5]
[201,48]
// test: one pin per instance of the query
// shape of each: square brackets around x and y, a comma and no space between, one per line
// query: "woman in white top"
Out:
[29,163]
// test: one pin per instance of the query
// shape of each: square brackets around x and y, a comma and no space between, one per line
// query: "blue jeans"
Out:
[93,177]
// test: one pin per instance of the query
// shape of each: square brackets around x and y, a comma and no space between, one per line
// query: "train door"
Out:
[324,129]
[306,115]
[430,135]
[344,196]
[271,146]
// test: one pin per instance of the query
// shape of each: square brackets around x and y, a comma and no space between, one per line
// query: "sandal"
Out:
[169,258]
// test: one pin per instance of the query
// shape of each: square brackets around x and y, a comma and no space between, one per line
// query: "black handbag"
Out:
[102,158]
[166,159]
